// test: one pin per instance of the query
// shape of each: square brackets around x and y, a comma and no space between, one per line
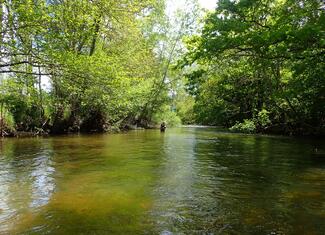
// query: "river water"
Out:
[183,181]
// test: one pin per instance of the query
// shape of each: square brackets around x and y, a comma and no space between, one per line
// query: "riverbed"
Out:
[185,181]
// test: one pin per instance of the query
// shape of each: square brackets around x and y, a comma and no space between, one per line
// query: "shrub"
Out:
[248,126]
[263,118]
[8,123]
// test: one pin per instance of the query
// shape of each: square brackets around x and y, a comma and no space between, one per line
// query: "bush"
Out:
[8,123]
[263,118]
[9,120]
[248,126]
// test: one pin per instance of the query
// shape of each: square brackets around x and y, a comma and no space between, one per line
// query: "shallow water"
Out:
[184,181]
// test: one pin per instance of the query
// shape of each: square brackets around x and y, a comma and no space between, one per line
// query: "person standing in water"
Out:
[163,127]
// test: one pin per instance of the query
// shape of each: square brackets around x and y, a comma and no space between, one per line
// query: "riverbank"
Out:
[126,128]
[111,130]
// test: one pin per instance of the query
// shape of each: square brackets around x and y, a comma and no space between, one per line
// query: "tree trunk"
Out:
[93,42]
[40,92]
[1,119]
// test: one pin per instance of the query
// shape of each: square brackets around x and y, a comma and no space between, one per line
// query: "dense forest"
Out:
[107,65]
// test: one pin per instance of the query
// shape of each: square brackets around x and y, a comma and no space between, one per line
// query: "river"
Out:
[184,181]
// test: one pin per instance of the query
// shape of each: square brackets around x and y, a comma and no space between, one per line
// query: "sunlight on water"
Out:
[184,181]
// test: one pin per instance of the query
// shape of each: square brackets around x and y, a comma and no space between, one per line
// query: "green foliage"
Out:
[254,56]
[99,57]
[184,109]
[8,121]
[248,126]
[113,63]
[166,115]
[263,118]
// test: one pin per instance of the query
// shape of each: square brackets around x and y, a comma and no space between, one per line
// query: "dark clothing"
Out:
[162,127]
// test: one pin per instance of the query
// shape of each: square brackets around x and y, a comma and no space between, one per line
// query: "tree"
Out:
[267,55]
[98,60]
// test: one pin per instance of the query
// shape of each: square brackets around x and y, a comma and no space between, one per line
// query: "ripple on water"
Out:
[185,181]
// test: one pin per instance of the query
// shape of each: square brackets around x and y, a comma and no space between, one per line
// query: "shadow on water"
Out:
[184,181]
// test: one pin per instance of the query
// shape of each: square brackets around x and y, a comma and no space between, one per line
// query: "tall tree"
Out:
[270,56]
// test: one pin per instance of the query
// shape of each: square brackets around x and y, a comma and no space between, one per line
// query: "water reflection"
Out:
[184,181]
[174,190]
[26,179]
[43,183]
[221,183]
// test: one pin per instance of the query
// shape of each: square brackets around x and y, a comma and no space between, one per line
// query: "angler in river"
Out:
[163,127]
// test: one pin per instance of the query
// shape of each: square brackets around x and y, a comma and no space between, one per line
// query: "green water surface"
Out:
[184,181]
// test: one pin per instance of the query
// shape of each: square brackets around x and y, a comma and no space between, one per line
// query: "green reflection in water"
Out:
[184,181]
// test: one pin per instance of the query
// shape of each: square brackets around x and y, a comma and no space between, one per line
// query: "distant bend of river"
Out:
[184,181]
